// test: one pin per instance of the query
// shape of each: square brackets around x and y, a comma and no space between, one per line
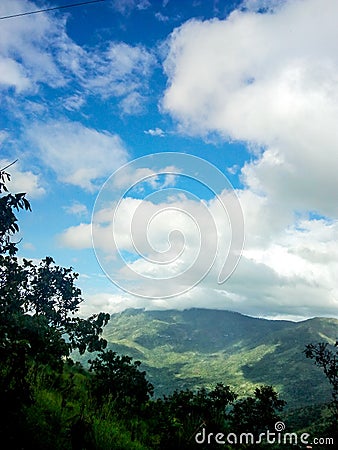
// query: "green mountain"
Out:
[200,347]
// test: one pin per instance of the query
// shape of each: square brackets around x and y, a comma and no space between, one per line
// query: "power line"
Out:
[51,9]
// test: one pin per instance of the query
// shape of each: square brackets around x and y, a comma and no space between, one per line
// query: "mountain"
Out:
[200,347]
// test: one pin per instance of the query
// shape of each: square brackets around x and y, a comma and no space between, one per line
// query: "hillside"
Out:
[200,347]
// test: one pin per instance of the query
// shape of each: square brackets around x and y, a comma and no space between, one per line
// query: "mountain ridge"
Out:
[199,347]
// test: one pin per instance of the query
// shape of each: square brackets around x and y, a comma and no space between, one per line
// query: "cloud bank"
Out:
[269,80]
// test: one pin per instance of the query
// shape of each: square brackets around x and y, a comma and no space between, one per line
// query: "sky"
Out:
[178,154]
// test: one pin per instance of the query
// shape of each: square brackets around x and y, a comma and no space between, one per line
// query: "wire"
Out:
[51,9]
[9,165]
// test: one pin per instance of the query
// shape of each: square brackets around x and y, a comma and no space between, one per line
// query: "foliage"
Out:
[257,413]
[8,220]
[200,347]
[38,325]
[119,379]
[179,416]
[326,357]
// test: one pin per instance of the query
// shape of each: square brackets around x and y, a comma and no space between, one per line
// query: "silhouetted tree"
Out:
[257,413]
[119,379]
[325,356]
[38,322]
[184,413]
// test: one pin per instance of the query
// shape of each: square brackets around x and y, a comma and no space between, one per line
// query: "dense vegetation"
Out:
[197,348]
[50,402]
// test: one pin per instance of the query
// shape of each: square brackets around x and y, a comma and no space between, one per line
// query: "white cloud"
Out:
[23,180]
[288,269]
[157,179]
[121,70]
[108,302]
[233,169]
[78,155]
[126,59]
[77,208]
[74,102]
[12,74]
[161,17]
[37,50]
[155,132]
[132,103]
[269,80]
[175,239]
[25,56]
[77,237]
[266,79]
[262,5]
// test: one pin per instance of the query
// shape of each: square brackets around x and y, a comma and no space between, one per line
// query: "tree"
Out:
[325,356]
[8,220]
[257,413]
[119,379]
[38,321]
[39,302]
[179,416]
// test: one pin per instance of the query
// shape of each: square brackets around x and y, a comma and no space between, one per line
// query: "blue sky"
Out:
[249,86]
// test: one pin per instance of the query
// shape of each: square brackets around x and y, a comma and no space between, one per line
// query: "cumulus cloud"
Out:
[113,302]
[294,273]
[77,237]
[110,302]
[287,270]
[269,80]
[78,155]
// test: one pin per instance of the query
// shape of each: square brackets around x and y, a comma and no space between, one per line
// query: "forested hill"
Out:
[200,347]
